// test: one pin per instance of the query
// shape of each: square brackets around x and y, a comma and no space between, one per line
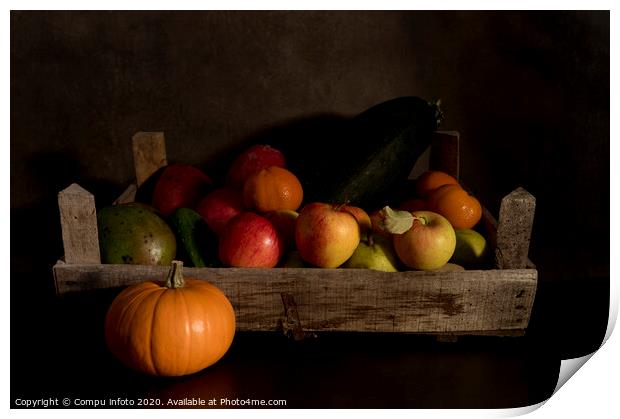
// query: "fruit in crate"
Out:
[132,234]
[431,180]
[272,189]
[171,329]
[471,249]
[250,241]
[292,260]
[376,223]
[219,206]
[362,217]
[196,243]
[284,222]
[180,186]
[386,221]
[427,244]
[457,205]
[252,160]
[451,267]
[374,252]
[365,159]
[326,235]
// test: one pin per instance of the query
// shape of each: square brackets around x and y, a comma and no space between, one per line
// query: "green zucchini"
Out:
[196,244]
[364,159]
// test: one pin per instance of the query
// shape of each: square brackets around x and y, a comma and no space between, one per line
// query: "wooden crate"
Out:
[298,300]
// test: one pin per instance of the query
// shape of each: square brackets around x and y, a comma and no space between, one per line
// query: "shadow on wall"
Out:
[36,241]
[319,130]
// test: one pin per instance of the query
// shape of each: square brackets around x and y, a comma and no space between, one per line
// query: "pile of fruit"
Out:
[256,220]
[258,216]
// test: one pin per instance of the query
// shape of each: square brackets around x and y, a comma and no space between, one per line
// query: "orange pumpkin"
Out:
[171,329]
[273,189]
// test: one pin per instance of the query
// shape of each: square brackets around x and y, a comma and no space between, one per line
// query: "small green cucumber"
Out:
[197,245]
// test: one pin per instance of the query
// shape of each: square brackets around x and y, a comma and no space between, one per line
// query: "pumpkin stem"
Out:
[175,275]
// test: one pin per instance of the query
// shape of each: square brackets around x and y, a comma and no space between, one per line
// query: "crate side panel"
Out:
[347,300]
[422,303]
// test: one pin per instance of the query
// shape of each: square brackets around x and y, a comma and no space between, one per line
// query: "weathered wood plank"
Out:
[445,152]
[490,227]
[78,221]
[347,299]
[128,195]
[149,154]
[442,154]
[291,323]
[514,229]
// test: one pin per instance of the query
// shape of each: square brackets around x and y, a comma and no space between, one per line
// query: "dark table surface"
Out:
[58,351]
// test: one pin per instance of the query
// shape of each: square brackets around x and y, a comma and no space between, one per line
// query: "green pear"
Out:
[471,248]
[451,267]
[374,252]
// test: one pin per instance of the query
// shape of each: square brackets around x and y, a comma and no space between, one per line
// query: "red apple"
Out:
[180,186]
[252,160]
[362,217]
[326,235]
[250,241]
[219,207]
[428,244]
[376,222]
[284,222]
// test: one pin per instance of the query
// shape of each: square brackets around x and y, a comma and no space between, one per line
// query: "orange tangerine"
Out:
[273,188]
[431,180]
[457,205]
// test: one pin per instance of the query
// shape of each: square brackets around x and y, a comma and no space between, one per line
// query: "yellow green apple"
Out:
[428,244]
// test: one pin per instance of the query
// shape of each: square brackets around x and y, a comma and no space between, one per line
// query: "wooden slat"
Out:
[490,227]
[129,195]
[78,220]
[514,229]
[442,154]
[347,299]
[445,153]
[149,154]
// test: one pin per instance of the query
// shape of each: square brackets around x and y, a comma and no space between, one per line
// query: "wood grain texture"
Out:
[514,229]
[346,299]
[149,154]
[445,152]
[78,221]
[291,325]
[128,195]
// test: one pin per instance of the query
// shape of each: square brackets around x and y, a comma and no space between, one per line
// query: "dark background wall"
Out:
[529,92]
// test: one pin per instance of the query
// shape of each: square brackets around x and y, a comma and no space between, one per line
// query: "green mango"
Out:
[132,234]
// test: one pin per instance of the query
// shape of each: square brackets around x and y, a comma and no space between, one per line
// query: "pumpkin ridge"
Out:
[150,337]
[188,351]
[218,295]
[129,322]
[140,294]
